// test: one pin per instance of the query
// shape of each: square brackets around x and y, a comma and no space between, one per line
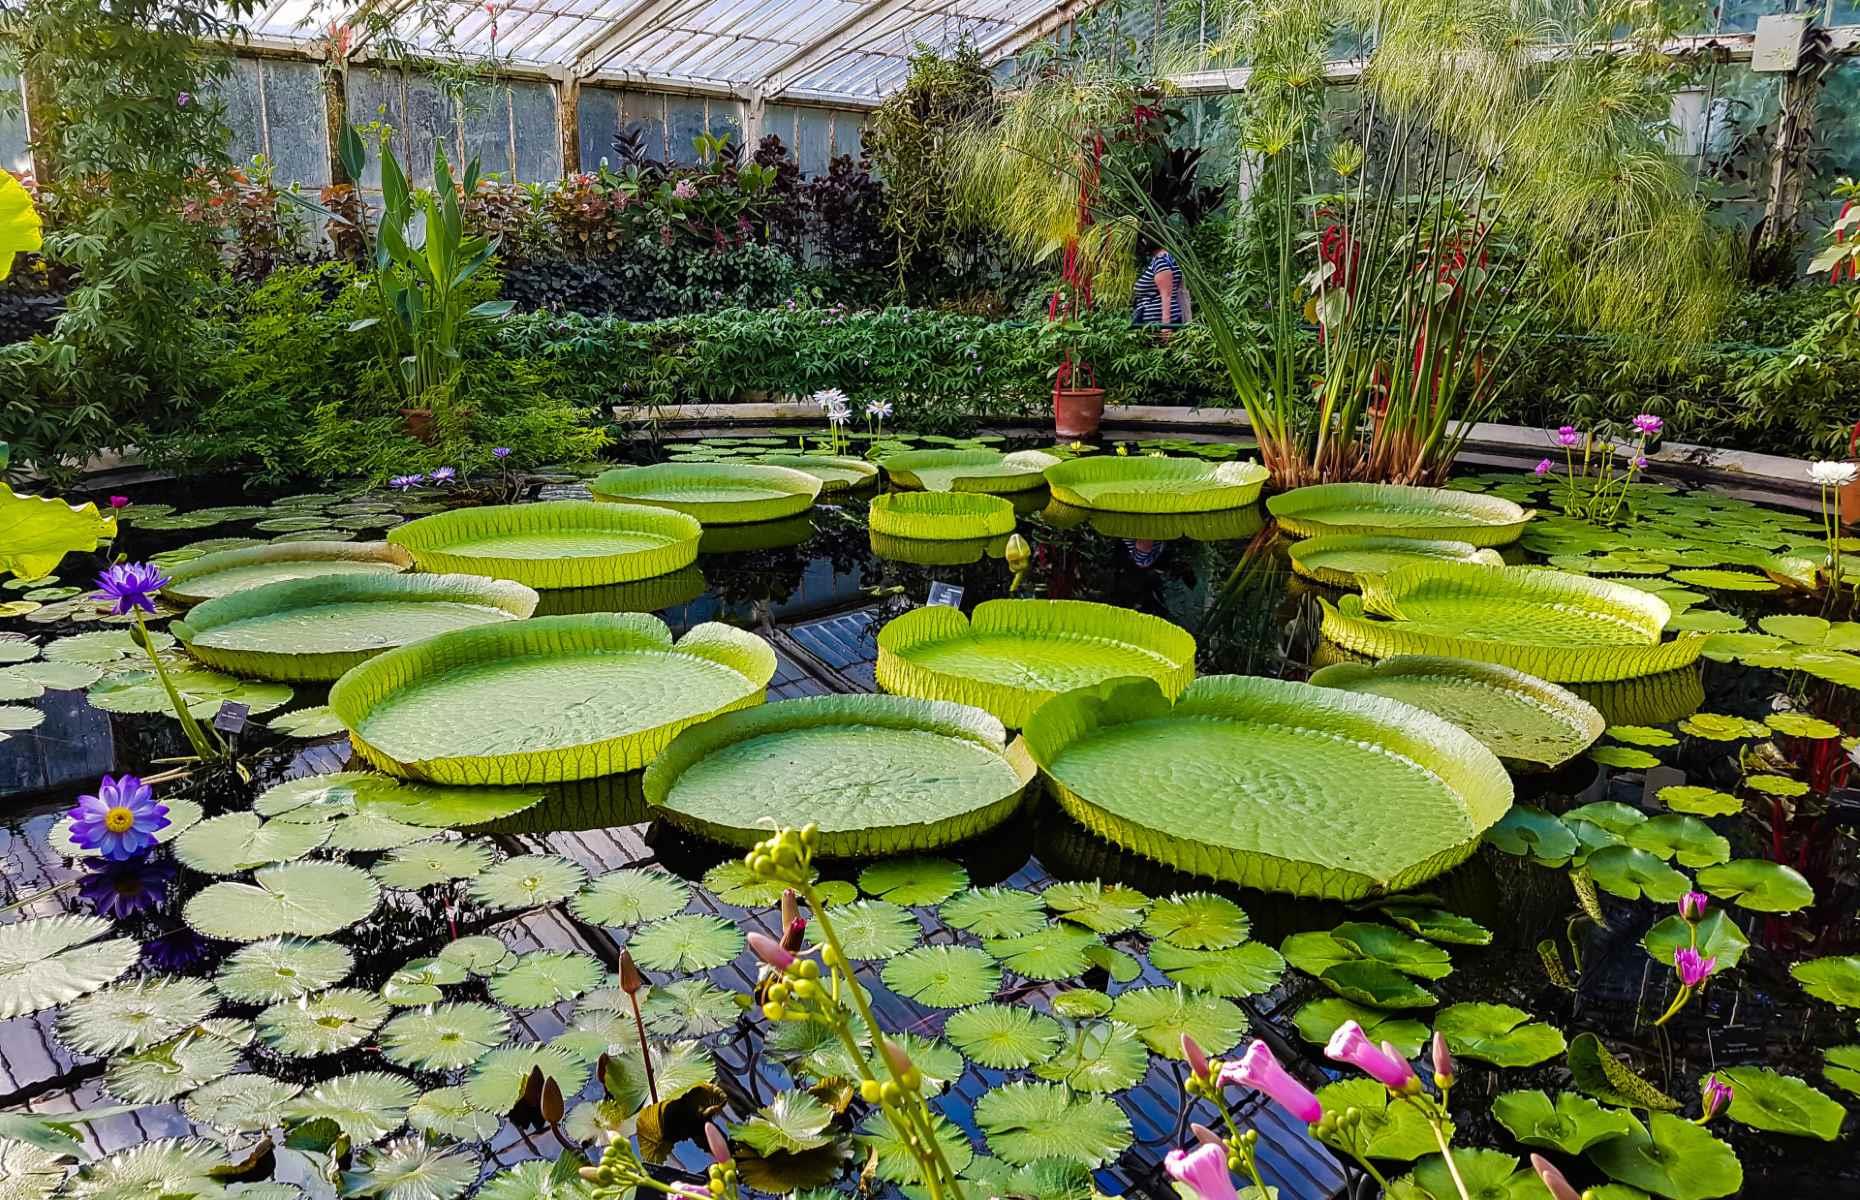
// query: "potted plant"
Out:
[423,263]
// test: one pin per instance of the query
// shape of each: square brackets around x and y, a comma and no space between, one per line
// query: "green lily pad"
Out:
[1161,1016]
[1025,1122]
[1718,937]
[1486,1174]
[629,897]
[1841,1067]
[1002,1036]
[543,978]
[1317,1020]
[282,968]
[1633,874]
[528,881]
[1571,1123]
[1700,801]
[321,1024]
[1098,1056]
[689,942]
[913,881]
[1609,1080]
[309,899]
[1235,971]
[236,842]
[1532,832]
[871,929]
[1688,840]
[1376,984]
[1497,1033]
[994,912]
[943,976]
[443,1037]
[1673,1158]
[1198,921]
[1758,884]
[1835,979]
[1099,907]
[429,864]
[1384,1129]
[1763,1099]
[1437,924]
[1056,952]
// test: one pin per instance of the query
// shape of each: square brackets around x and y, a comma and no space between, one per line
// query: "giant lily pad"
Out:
[1343,559]
[1384,508]
[545,700]
[36,532]
[227,571]
[969,470]
[1557,626]
[940,516]
[315,629]
[1012,656]
[714,493]
[555,544]
[1155,485]
[875,774]
[1270,784]
[836,472]
[1522,718]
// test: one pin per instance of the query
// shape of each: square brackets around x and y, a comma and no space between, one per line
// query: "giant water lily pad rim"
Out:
[185,579]
[443,542]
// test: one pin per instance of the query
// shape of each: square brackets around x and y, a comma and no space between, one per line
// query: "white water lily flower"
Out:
[831,397]
[838,412]
[1832,473]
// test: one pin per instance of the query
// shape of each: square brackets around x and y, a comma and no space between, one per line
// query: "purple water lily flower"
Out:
[1567,436]
[402,483]
[119,501]
[1714,1096]
[120,891]
[1694,969]
[1543,467]
[1640,462]
[444,475]
[501,453]
[120,821]
[175,951]
[183,99]
[1648,424]
[131,585]
[1259,1070]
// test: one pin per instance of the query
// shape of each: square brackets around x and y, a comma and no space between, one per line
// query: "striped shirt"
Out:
[1148,309]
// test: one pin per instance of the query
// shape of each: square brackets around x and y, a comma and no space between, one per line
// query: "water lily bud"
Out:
[1204,1135]
[1411,1083]
[900,1061]
[1019,554]
[790,908]
[719,1148]
[630,981]
[771,951]
[1714,1095]
[1443,1061]
[1196,1056]
[1692,906]
[1558,1186]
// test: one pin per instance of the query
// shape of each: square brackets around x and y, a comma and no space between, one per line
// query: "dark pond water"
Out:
[815,588]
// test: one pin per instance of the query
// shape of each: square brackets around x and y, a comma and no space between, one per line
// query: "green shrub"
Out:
[299,397]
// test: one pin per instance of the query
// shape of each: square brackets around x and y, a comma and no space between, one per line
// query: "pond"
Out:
[383,1026]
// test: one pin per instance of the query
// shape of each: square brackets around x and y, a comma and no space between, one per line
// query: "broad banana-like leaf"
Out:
[19,222]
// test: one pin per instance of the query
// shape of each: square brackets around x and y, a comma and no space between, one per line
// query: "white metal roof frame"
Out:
[840,52]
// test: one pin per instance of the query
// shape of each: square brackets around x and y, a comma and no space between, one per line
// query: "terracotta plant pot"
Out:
[1077,411]
[419,423]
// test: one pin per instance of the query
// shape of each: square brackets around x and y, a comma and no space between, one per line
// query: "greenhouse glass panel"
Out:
[13,154]
[243,100]
[532,113]
[296,122]
[684,123]
[598,113]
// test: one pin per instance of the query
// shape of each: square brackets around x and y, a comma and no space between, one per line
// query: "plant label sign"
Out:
[947,594]
[232,717]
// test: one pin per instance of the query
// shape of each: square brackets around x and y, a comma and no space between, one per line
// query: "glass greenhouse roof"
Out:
[825,50]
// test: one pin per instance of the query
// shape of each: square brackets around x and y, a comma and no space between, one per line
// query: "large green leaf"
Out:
[282,968]
[1671,1157]
[546,700]
[1529,831]
[1054,953]
[236,842]
[689,942]
[542,978]
[714,493]
[1519,716]
[1835,979]
[1319,1019]
[791,1123]
[1003,1036]
[443,1037]
[1437,924]
[990,471]
[1687,840]
[1758,884]
[163,1167]
[1161,1016]
[528,881]
[1410,956]
[1571,1123]
[1383,1128]
[310,899]
[1487,1174]
[429,864]
[36,532]
[227,571]
[135,1016]
[894,1161]
[411,1168]
[1553,625]
[1841,1067]
[538,1179]
[54,960]
[630,897]
[1198,921]
[346,794]
[1098,1056]
[677,1068]
[1025,1122]
[444,1112]
[1381,508]
[553,544]
[943,976]
[1497,1033]
[1718,937]
[1235,971]
[1367,981]
[1146,484]
[171,1069]
[688,1008]
[203,692]
[365,1105]
[1763,1099]
[939,516]
[316,629]
[1105,908]
[1271,784]
[874,774]
[1633,874]
[321,1024]
[994,912]
[1011,656]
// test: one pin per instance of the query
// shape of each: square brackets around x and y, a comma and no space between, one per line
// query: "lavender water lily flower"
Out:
[131,585]
[402,483]
[1543,466]
[444,475]
[1567,436]
[1648,424]
[500,453]
[119,822]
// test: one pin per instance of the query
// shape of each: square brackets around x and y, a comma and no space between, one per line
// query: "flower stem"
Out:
[204,746]
[1434,1122]
[1679,1002]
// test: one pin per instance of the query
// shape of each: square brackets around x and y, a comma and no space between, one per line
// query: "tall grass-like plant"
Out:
[423,259]
[1504,177]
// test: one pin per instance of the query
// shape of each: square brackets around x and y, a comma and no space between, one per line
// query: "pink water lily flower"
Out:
[1648,424]
[1543,466]
[1714,1095]
[1567,436]
[1350,1045]
[1204,1170]
[1558,1186]
[1692,905]
[1693,968]
[1259,1070]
